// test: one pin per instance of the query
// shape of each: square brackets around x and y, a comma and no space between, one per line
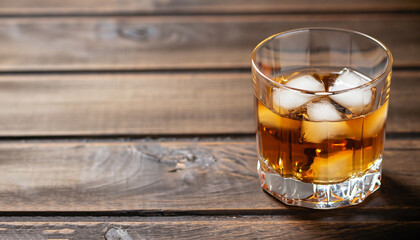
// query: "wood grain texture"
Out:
[126,104]
[404,100]
[168,103]
[194,227]
[172,177]
[200,6]
[177,42]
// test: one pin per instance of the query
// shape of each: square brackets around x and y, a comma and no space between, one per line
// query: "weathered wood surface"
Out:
[168,103]
[177,42]
[164,103]
[112,52]
[172,177]
[196,227]
[200,6]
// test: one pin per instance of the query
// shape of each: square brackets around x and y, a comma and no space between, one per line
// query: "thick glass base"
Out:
[321,196]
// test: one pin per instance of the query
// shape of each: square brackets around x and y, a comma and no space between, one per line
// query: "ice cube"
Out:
[285,99]
[324,122]
[323,110]
[317,132]
[336,167]
[270,119]
[357,99]
[306,82]
[375,122]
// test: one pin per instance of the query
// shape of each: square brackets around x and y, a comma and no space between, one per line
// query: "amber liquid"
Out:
[320,152]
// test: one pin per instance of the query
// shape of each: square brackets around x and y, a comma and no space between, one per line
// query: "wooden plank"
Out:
[404,102]
[177,42]
[242,227]
[169,103]
[126,104]
[172,177]
[200,6]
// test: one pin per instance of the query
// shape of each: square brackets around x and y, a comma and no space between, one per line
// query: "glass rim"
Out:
[323,93]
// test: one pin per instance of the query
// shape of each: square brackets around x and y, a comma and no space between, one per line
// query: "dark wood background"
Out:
[134,119]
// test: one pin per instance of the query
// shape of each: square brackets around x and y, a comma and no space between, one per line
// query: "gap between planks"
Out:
[90,7]
[390,144]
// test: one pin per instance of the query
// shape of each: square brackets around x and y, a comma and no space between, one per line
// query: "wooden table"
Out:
[124,119]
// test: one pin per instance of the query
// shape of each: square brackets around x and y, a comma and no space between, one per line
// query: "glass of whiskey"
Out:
[321,101]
